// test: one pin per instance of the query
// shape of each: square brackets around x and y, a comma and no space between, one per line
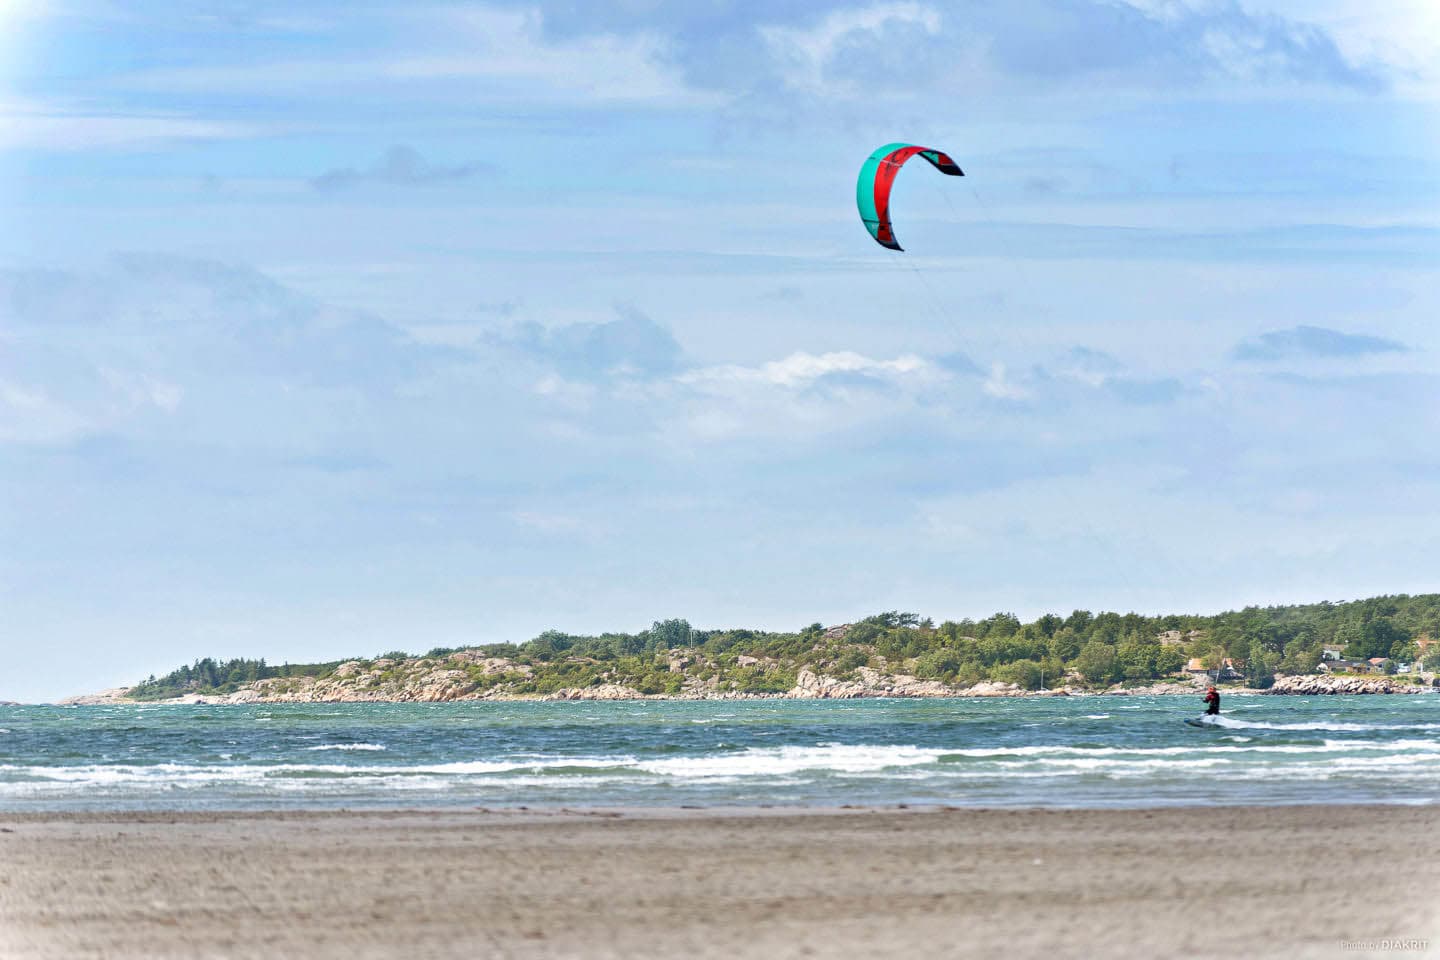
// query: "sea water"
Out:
[1103,751]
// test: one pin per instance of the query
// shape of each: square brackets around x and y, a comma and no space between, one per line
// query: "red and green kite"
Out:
[872,192]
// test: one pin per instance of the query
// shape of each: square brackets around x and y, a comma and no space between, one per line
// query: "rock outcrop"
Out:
[811,686]
[113,695]
[604,691]
[1322,685]
[869,682]
[470,675]
[1189,687]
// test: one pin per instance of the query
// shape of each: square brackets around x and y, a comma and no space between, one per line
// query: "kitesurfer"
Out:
[1212,702]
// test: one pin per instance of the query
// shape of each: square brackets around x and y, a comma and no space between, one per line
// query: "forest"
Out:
[1089,649]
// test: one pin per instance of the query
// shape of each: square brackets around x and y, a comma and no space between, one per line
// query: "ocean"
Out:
[1044,752]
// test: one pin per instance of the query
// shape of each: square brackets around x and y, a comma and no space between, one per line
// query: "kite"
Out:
[872,191]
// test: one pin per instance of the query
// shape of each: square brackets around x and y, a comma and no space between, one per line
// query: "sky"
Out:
[328,329]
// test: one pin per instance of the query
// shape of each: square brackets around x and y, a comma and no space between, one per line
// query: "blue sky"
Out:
[333,328]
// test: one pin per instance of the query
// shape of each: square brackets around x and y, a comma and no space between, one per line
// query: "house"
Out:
[1378,663]
[1344,666]
[1229,669]
[1330,653]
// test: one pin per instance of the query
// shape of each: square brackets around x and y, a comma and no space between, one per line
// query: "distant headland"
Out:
[1377,645]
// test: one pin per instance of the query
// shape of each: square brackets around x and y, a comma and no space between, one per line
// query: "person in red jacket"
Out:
[1212,702]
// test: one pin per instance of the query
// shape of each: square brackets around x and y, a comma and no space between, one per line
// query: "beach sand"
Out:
[1218,882]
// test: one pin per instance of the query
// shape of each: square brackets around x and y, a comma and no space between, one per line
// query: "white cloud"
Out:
[30,416]
[1090,367]
[571,396]
[15,12]
[506,49]
[551,524]
[1402,34]
[802,396]
[134,391]
[500,57]
[807,53]
[799,369]
[18,19]
[31,124]
[1001,387]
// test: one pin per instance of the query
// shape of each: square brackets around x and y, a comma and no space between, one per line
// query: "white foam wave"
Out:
[753,762]
[1412,760]
[1259,748]
[471,767]
[1233,723]
[775,761]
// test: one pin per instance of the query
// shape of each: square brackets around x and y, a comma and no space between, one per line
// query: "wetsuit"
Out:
[1212,702]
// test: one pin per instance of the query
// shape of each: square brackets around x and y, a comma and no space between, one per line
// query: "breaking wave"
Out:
[1235,724]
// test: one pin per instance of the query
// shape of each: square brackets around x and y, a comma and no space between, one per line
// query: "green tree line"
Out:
[1093,648]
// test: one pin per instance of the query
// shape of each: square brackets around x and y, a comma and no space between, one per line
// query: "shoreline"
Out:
[1368,688]
[689,811]
[718,882]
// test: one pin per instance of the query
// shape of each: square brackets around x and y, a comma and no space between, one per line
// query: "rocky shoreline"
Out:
[1328,685]
[354,683]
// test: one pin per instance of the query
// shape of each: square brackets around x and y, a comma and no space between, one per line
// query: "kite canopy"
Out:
[872,191]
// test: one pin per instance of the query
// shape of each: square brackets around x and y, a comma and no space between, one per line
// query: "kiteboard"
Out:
[1208,720]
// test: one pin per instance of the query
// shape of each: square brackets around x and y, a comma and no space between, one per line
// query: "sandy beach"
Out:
[1219,882]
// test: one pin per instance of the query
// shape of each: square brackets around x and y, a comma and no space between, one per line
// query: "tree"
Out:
[1374,638]
[1049,624]
[1107,627]
[1302,655]
[893,618]
[1000,625]
[669,634]
[1096,662]
[1139,657]
[547,646]
[1064,644]
[939,665]
[1079,622]
[1168,660]
[1023,673]
[1405,650]
[1260,669]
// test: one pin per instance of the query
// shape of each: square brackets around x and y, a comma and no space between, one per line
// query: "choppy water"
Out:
[1076,752]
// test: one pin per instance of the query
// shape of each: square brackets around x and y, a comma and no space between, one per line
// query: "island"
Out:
[1376,645]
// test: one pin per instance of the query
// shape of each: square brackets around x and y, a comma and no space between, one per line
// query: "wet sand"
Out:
[1219,882]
